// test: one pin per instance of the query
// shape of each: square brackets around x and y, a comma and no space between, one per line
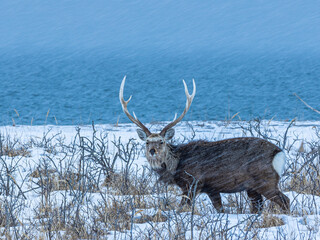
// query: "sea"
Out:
[64,87]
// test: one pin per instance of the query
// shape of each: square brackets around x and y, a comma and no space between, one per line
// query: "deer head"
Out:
[157,149]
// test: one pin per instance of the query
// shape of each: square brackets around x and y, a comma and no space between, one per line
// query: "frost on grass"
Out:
[94,182]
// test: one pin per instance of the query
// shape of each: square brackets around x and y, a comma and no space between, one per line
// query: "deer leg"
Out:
[279,198]
[216,201]
[256,201]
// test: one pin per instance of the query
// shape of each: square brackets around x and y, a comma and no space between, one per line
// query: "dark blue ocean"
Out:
[61,87]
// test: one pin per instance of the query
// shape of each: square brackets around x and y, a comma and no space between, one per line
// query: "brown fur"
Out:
[228,166]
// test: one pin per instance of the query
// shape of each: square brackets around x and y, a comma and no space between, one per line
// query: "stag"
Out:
[246,164]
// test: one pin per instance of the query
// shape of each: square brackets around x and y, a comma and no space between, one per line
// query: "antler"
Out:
[188,104]
[124,104]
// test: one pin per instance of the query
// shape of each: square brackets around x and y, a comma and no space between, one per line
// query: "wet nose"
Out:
[152,151]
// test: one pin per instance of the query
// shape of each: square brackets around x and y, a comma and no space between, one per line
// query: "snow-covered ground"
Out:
[42,194]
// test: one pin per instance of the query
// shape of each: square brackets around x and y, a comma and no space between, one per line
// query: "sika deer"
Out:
[228,166]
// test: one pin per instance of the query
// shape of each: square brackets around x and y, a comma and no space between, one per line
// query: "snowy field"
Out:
[94,182]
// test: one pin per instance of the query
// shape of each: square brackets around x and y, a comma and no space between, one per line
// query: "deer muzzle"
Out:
[152,151]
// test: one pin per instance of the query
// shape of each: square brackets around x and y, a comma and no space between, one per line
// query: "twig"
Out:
[286,133]
[313,109]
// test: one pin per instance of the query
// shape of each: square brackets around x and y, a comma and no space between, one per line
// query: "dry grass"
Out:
[15,151]
[305,172]
[121,184]
[266,220]
[159,216]
[42,172]
[304,183]
[5,219]
[52,214]
[51,179]
[237,203]
[114,215]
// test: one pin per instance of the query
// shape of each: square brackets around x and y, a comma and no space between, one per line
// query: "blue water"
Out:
[80,87]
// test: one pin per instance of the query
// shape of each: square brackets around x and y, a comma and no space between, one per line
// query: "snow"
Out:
[303,220]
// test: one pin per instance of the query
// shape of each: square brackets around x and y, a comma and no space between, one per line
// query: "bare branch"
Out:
[313,109]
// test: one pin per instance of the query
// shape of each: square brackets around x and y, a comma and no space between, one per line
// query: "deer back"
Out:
[228,166]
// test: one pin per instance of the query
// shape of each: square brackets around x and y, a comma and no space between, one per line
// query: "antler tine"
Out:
[188,104]
[124,104]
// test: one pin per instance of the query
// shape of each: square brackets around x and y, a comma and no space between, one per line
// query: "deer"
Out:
[232,165]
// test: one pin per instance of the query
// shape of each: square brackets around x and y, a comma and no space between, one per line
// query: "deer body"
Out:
[246,164]
[228,166]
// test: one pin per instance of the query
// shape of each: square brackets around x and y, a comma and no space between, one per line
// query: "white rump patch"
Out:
[279,162]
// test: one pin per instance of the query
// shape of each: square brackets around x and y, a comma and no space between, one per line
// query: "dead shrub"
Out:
[13,147]
[114,215]
[41,172]
[121,184]
[12,151]
[157,217]
[6,220]
[49,215]
[267,220]
[128,183]
[52,180]
[305,172]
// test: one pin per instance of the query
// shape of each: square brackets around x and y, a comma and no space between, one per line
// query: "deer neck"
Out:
[171,160]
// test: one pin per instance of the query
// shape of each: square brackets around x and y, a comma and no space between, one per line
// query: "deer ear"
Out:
[169,134]
[142,135]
